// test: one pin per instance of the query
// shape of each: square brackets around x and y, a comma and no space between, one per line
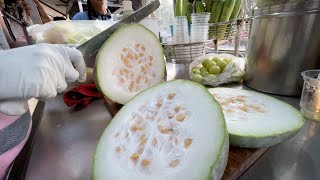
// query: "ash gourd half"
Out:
[255,120]
[130,61]
[174,130]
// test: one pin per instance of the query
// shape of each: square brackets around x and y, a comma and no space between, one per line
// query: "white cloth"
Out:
[40,71]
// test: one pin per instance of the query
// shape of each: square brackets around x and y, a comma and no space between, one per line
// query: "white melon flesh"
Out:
[130,61]
[255,120]
[172,131]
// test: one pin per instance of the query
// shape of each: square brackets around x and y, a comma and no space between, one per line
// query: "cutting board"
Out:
[240,159]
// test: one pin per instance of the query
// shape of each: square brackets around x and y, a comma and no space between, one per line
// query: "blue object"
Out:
[189,28]
[84,16]
[81,16]
[171,29]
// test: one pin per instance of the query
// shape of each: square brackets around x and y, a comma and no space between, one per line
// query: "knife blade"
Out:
[92,46]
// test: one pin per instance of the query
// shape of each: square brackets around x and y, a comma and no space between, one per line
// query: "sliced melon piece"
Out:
[255,120]
[130,61]
[174,130]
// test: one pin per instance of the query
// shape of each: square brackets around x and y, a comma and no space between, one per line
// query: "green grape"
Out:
[204,73]
[215,70]
[197,78]
[210,64]
[210,76]
[204,62]
[227,60]
[203,69]
[222,65]
[196,71]
[196,67]
[216,59]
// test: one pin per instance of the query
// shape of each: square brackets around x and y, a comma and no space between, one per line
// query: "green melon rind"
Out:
[99,58]
[249,141]
[219,164]
[260,142]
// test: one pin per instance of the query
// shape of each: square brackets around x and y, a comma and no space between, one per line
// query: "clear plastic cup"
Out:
[180,30]
[200,18]
[200,27]
[310,98]
[199,32]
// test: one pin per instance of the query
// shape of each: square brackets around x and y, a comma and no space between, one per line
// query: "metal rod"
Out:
[237,39]
[35,16]
[215,43]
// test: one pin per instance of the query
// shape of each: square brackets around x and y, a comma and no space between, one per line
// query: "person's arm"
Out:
[81,16]
[15,137]
[40,71]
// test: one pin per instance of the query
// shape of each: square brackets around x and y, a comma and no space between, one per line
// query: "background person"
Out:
[97,10]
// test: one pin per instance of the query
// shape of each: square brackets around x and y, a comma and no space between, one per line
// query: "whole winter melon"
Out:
[172,131]
[130,61]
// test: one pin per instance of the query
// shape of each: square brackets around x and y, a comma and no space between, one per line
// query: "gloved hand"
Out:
[40,71]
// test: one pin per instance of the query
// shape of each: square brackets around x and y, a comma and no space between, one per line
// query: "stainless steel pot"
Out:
[284,41]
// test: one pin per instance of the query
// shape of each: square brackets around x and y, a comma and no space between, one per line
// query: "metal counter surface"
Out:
[66,140]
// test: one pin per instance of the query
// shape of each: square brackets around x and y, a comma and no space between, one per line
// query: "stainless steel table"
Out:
[66,140]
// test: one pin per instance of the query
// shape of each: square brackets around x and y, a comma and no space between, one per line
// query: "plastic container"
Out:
[200,27]
[310,98]
[200,18]
[180,30]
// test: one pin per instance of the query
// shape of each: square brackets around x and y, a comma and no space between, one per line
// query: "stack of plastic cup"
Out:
[200,27]
[180,30]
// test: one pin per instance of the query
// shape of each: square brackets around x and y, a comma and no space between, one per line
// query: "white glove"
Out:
[38,71]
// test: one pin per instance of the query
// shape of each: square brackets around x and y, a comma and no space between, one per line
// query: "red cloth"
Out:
[82,96]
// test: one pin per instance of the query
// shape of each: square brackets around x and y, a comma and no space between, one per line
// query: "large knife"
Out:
[90,48]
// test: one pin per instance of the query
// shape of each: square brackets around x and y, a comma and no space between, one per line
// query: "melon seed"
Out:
[135,156]
[121,72]
[187,143]
[143,142]
[244,108]
[118,149]
[181,117]
[131,86]
[134,128]
[174,163]
[142,137]
[177,108]
[163,130]
[145,162]
[159,104]
[170,116]
[141,54]
[171,96]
